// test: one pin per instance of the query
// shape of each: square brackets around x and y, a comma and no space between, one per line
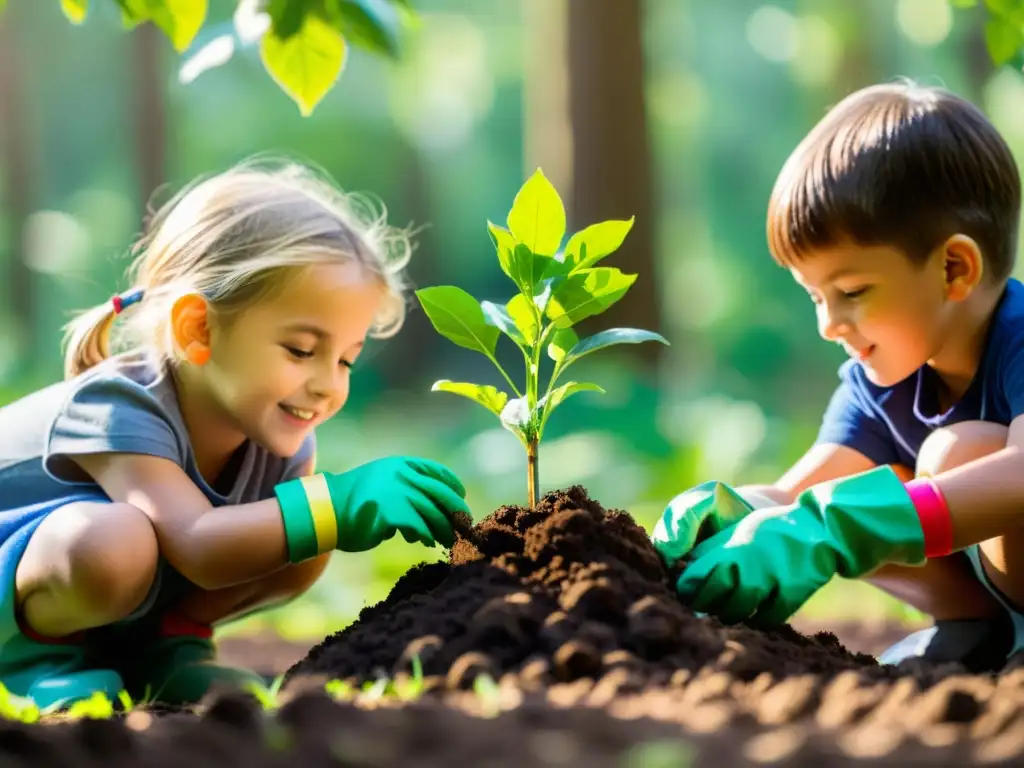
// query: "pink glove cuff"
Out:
[934,515]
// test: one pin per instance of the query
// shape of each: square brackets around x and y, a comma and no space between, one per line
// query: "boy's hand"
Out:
[769,564]
[697,514]
[357,510]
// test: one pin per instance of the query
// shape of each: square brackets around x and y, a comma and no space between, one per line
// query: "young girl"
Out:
[157,492]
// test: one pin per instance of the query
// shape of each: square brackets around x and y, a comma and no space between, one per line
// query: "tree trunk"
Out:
[150,112]
[18,187]
[611,169]
[547,128]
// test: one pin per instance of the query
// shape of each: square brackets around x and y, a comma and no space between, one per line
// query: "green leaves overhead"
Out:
[75,10]
[303,44]
[373,25]
[180,20]
[307,63]
[1003,28]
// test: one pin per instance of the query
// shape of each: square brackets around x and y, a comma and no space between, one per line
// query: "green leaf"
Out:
[586,293]
[459,317]
[489,397]
[557,396]
[369,24]
[306,64]
[609,338]
[562,341]
[504,246]
[500,318]
[600,240]
[537,218]
[524,317]
[75,10]
[1003,39]
[963,3]
[133,12]
[527,268]
[286,16]
[180,20]
[1010,9]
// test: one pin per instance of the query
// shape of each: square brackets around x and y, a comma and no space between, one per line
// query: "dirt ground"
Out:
[595,662]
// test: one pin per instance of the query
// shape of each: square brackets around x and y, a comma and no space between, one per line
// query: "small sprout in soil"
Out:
[660,754]
[374,690]
[403,688]
[19,708]
[96,707]
[488,694]
[127,705]
[268,697]
[556,290]
[339,690]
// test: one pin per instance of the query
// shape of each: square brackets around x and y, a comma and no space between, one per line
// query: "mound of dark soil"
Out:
[569,606]
[564,592]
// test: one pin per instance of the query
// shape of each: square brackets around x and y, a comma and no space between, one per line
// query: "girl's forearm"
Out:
[225,546]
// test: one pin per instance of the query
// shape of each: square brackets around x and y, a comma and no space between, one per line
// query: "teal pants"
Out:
[18,652]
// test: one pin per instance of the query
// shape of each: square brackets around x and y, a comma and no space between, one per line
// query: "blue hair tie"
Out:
[126,299]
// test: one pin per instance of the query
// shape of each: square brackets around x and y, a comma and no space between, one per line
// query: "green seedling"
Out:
[556,290]
[96,707]
[488,694]
[18,708]
[267,696]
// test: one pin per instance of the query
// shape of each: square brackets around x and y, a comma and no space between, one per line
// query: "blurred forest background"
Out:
[676,111]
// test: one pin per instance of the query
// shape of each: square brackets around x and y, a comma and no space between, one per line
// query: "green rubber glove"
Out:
[356,510]
[770,563]
[699,513]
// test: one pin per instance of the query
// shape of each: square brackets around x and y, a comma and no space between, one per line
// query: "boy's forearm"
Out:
[225,546]
[985,497]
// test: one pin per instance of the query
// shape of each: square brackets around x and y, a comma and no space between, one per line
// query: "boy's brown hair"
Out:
[904,166]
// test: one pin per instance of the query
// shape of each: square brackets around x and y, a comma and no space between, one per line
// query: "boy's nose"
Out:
[830,326]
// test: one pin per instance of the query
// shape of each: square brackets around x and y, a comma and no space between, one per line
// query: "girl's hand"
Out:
[359,509]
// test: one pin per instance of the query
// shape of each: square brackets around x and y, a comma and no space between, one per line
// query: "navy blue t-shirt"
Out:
[888,424]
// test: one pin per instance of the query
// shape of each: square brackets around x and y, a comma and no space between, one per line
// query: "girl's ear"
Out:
[190,328]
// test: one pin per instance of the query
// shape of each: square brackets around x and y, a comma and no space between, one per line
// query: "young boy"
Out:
[898,214]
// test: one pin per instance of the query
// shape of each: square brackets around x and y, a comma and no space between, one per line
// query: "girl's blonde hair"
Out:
[232,237]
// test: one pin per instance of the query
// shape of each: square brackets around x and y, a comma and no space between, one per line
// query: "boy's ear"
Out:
[964,266]
[189,324]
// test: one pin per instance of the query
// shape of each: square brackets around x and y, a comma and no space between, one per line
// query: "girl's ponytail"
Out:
[87,337]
